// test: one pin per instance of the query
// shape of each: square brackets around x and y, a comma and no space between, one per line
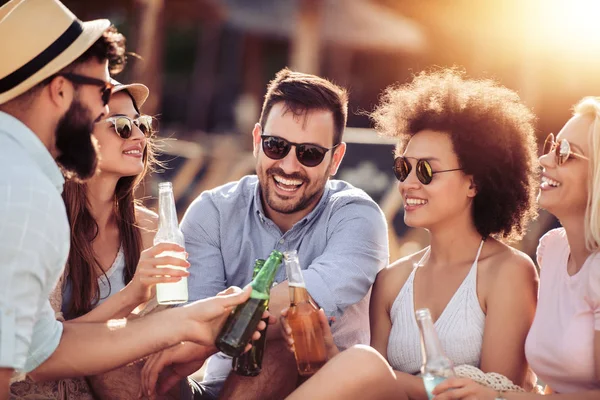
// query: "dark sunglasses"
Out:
[424,171]
[308,154]
[124,125]
[561,148]
[105,87]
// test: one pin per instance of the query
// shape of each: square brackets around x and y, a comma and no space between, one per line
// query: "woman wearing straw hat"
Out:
[53,86]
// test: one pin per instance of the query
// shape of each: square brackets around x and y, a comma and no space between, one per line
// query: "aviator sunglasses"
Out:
[423,170]
[105,87]
[308,154]
[562,150]
[124,125]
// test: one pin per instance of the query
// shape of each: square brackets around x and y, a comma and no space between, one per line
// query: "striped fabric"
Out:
[342,244]
[34,244]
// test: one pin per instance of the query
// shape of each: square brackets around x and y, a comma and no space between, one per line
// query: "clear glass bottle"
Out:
[168,231]
[436,367]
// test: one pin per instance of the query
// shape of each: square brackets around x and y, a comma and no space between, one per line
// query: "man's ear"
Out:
[256,132]
[60,93]
[337,157]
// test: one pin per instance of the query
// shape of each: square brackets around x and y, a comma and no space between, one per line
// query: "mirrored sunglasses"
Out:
[402,168]
[124,125]
[561,148]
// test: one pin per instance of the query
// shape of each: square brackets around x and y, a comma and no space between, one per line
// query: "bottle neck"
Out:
[430,343]
[293,270]
[166,211]
[261,285]
[299,294]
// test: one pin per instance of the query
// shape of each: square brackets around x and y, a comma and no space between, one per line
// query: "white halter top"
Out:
[459,327]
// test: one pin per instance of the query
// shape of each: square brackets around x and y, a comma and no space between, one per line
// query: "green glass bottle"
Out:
[242,322]
[250,363]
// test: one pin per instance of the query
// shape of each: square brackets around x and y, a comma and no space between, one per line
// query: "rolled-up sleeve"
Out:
[357,249]
[34,239]
[200,227]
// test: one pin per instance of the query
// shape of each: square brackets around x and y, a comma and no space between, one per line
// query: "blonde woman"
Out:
[563,345]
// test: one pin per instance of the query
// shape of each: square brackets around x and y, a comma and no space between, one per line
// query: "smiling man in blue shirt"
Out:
[290,204]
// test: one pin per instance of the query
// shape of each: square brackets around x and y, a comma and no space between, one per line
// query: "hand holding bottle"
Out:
[286,332]
[463,388]
[149,273]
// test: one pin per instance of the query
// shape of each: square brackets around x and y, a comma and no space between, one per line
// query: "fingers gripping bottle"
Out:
[242,322]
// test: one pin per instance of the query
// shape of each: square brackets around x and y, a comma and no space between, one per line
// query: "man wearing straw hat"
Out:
[54,85]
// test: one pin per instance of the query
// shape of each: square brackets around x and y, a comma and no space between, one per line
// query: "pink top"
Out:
[560,344]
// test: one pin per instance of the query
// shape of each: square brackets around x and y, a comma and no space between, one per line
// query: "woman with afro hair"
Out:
[467,171]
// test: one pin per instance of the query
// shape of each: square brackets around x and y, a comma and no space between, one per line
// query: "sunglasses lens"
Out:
[310,156]
[562,152]
[145,124]
[123,127]
[275,148]
[401,168]
[424,172]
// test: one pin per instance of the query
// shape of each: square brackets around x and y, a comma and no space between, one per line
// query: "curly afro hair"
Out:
[492,135]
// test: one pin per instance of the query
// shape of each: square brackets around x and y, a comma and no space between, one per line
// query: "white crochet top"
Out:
[459,327]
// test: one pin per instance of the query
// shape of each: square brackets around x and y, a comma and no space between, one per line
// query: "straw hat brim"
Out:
[92,31]
[138,91]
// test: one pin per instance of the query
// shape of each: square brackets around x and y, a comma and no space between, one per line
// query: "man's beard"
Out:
[308,199]
[77,152]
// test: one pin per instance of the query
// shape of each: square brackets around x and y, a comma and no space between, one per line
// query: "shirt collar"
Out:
[315,211]
[33,146]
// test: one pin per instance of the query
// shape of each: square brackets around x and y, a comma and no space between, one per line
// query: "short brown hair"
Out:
[492,135]
[110,46]
[302,93]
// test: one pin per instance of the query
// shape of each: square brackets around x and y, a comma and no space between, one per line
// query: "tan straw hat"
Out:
[37,39]
[138,91]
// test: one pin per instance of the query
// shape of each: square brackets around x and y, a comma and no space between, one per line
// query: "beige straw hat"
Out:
[138,91]
[37,39]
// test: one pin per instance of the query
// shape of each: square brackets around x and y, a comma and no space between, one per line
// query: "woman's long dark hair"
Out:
[82,263]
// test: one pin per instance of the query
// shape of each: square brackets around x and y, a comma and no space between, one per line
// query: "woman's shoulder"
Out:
[552,240]
[507,264]
[399,271]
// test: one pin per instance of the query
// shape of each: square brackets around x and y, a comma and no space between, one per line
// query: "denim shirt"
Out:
[34,245]
[342,245]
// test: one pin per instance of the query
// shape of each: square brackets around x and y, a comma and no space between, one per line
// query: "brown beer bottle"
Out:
[242,322]
[303,318]
[250,363]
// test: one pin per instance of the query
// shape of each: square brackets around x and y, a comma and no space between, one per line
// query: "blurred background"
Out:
[207,64]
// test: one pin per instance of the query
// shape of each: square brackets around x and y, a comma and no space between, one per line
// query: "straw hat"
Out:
[37,39]
[138,91]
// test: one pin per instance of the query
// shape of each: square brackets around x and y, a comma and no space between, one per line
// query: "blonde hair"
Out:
[591,106]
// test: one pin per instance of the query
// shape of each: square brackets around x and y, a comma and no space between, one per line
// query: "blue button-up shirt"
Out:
[34,245]
[342,244]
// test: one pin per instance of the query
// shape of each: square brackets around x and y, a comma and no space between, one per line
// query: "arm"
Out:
[200,227]
[357,249]
[379,313]
[511,304]
[32,251]
[92,348]
[140,289]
